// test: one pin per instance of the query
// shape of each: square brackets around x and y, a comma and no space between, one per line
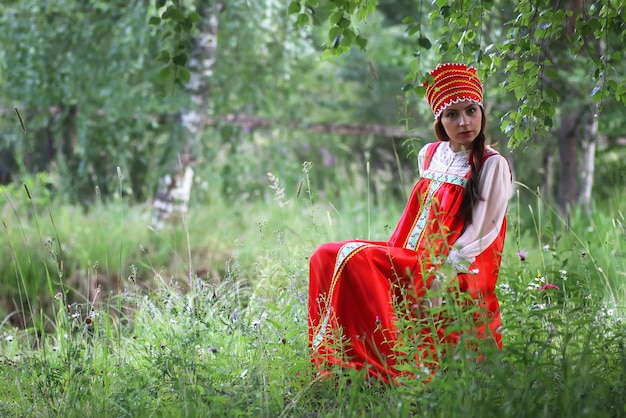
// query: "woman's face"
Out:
[462,122]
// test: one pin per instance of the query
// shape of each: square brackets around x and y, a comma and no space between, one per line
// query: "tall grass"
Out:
[230,339]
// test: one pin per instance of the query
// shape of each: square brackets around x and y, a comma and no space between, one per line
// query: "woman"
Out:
[360,291]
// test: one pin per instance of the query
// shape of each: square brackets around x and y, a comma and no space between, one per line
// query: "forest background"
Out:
[161,147]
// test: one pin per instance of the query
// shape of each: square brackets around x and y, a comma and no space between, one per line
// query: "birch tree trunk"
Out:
[590,140]
[588,162]
[174,192]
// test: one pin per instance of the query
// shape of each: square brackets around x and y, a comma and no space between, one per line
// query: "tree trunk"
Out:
[174,191]
[590,139]
[588,162]
[567,188]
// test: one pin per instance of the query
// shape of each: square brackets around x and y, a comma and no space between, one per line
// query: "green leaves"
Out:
[294,7]
[180,59]
[176,27]
[175,14]
[345,17]
[305,10]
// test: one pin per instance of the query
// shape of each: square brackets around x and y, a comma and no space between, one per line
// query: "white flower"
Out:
[8,337]
[546,247]
[536,283]
[504,287]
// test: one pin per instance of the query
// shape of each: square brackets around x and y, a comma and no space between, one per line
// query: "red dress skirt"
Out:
[359,289]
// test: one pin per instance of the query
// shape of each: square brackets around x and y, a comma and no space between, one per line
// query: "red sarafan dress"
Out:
[356,287]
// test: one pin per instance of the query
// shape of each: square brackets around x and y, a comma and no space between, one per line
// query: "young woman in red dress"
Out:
[454,220]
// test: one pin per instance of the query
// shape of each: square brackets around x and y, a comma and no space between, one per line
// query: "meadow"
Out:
[103,315]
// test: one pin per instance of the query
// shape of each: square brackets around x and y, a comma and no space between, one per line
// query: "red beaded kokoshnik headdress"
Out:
[453,83]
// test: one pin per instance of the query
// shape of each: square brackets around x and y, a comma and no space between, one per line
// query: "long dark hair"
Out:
[472,194]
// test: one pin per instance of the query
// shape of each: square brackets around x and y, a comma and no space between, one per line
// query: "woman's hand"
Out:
[443,277]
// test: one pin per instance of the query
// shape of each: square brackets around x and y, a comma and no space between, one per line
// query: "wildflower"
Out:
[522,255]
[546,247]
[536,283]
[533,285]
[279,192]
[327,157]
[8,337]
[548,286]
[504,287]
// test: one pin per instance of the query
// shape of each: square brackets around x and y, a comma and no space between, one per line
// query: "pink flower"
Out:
[548,286]
[522,255]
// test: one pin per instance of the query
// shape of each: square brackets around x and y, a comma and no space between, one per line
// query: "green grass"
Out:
[213,320]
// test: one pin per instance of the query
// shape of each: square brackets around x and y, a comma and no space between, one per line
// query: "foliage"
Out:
[83,78]
[104,105]
[177,26]
[528,49]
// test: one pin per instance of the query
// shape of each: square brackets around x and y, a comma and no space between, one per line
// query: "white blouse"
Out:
[495,188]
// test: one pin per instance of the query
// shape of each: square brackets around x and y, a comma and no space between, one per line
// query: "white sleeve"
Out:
[421,157]
[495,188]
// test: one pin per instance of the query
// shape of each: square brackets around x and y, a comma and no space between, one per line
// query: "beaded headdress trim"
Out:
[453,83]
